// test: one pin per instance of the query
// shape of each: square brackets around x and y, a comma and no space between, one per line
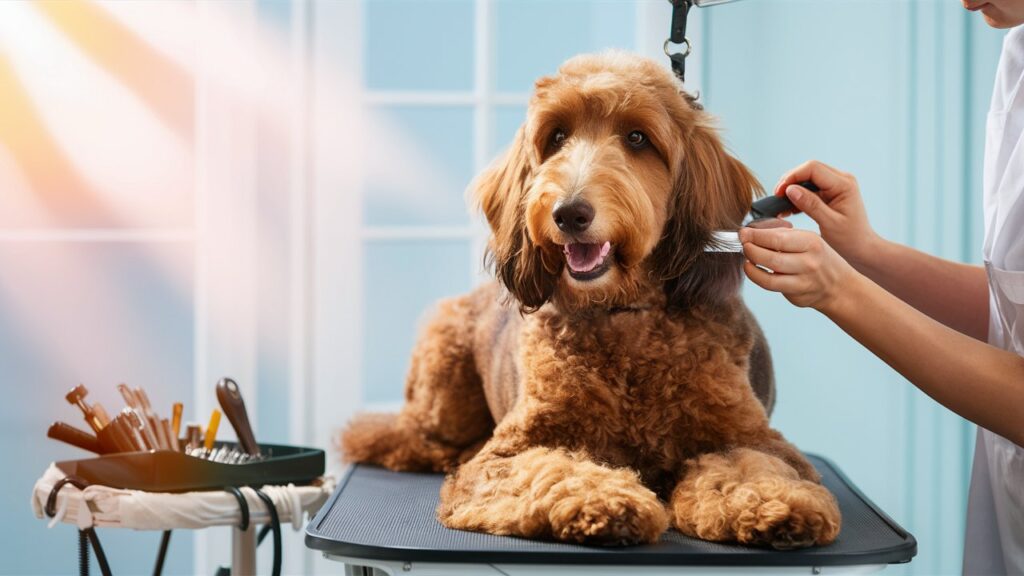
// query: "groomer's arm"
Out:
[952,293]
[980,382]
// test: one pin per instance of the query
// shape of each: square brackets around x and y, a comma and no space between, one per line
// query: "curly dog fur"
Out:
[601,398]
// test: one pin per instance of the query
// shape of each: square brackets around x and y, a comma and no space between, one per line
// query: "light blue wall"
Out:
[893,91]
[896,93]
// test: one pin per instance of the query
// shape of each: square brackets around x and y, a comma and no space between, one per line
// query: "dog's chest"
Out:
[629,389]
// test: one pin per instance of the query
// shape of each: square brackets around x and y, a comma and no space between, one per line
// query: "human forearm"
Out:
[980,382]
[952,293]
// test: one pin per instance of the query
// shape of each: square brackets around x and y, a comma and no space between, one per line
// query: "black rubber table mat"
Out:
[382,515]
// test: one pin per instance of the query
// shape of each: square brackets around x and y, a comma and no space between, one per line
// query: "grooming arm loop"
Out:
[677,35]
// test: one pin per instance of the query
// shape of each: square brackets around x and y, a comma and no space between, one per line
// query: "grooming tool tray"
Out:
[168,471]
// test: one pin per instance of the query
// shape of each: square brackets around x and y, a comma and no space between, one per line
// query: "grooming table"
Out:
[380,522]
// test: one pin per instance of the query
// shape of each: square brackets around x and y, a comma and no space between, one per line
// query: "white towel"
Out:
[102,506]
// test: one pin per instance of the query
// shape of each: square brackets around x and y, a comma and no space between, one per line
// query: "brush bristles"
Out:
[724,241]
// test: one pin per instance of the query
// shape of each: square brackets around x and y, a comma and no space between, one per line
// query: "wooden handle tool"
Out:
[78,438]
[230,398]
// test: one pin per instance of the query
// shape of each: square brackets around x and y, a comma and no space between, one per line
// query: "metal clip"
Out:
[677,35]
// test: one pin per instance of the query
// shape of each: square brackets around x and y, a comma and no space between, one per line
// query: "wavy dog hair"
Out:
[636,394]
[708,188]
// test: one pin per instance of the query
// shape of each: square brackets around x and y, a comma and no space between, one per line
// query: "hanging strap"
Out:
[677,35]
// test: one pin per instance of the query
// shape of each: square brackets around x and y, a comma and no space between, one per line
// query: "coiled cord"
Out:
[83,553]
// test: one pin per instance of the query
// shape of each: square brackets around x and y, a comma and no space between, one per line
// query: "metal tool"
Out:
[171,438]
[132,424]
[230,398]
[123,426]
[154,421]
[129,396]
[76,437]
[115,437]
[101,413]
[138,423]
[762,209]
[77,398]
[224,455]
[193,436]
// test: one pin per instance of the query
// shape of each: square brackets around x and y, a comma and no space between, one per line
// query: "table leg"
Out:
[243,551]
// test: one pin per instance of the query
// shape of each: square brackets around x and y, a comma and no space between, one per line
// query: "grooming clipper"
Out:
[762,209]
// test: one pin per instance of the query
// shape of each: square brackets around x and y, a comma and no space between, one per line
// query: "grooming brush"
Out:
[761,209]
[230,398]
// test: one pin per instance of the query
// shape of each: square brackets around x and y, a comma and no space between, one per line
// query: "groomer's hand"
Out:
[838,210]
[804,268]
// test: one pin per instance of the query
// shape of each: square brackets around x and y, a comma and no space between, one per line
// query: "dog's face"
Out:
[613,186]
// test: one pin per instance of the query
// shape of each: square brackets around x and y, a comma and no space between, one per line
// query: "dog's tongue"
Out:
[586,257]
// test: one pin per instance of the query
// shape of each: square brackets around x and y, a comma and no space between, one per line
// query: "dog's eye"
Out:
[637,139]
[558,138]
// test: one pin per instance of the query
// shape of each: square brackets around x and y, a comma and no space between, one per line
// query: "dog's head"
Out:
[613,186]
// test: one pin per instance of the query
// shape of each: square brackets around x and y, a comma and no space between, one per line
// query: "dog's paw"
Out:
[609,520]
[804,514]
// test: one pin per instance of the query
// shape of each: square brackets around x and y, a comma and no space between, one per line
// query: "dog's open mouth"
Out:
[587,261]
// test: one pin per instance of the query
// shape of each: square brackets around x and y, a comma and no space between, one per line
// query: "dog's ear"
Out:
[713,191]
[518,263]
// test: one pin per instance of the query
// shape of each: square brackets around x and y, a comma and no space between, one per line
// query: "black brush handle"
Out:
[230,398]
[772,206]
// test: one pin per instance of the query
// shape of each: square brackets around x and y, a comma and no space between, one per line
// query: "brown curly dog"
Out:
[630,387]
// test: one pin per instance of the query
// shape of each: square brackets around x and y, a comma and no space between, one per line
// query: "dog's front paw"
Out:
[618,519]
[801,515]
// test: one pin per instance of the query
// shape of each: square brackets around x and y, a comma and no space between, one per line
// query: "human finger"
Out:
[811,204]
[768,223]
[772,282]
[779,262]
[779,239]
[822,175]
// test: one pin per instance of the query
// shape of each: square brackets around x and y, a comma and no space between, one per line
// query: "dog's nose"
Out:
[573,216]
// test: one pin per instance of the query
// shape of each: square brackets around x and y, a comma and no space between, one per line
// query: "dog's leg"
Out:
[551,493]
[753,497]
[445,418]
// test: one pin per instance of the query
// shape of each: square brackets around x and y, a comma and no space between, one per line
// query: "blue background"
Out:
[894,91]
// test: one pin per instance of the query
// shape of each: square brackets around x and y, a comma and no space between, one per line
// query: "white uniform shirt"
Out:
[994,543]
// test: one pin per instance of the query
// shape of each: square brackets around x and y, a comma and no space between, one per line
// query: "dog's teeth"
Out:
[605,249]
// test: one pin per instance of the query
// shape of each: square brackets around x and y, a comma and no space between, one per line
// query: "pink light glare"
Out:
[137,166]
